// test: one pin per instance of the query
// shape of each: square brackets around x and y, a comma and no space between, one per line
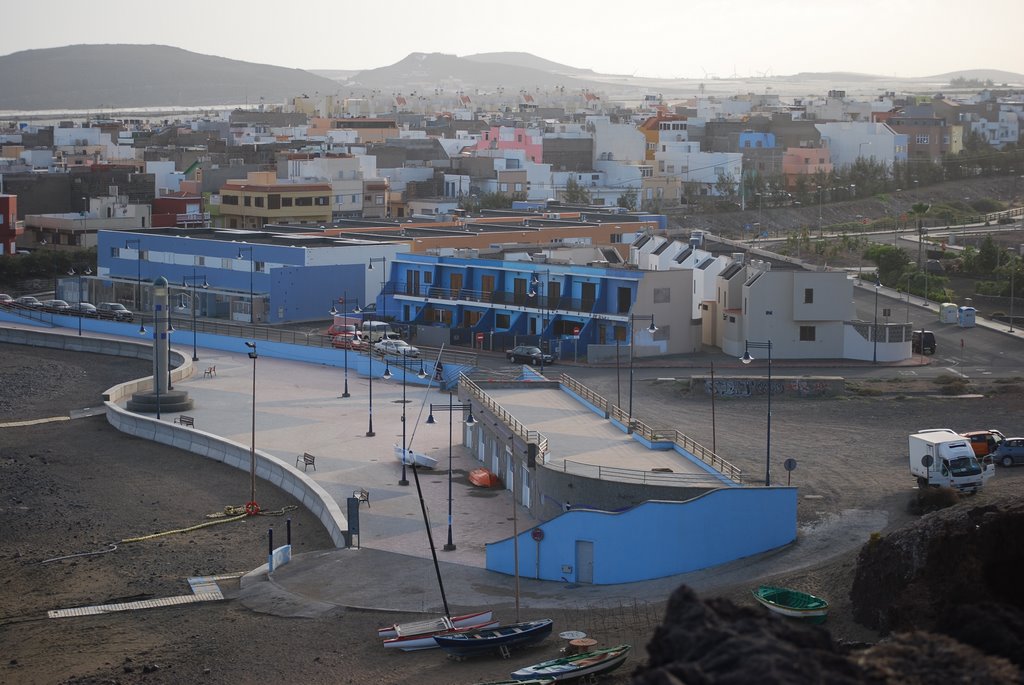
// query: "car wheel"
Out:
[534,362]
[1007,461]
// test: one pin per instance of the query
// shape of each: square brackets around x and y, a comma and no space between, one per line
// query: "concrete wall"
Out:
[793,386]
[268,467]
[655,539]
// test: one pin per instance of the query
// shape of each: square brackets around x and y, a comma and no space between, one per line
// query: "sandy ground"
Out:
[75,486]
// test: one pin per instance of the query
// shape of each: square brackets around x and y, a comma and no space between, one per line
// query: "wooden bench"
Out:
[307,460]
[186,420]
[363,495]
[210,372]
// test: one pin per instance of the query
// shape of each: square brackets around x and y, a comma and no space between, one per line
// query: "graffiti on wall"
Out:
[751,387]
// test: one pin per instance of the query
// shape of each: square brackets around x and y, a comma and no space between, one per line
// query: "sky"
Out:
[658,38]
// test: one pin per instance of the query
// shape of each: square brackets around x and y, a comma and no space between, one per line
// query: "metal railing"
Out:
[674,436]
[583,391]
[620,475]
[505,417]
[538,302]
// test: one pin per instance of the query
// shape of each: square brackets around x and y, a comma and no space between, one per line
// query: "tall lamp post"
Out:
[138,278]
[252,444]
[369,356]
[383,283]
[543,296]
[351,341]
[650,329]
[451,408]
[405,376]
[1013,268]
[252,268]
[88,272]
[192,305]
[746,359]
[874,326]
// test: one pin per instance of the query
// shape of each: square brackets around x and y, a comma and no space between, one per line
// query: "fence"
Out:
[505,417]
[638,477]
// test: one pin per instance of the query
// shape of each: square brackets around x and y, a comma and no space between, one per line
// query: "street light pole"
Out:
[451,408]
[746,359]
[351,340]
[185,282]
[874,326]
[252,445]
[544,305]
[88,272]
[1013,268]
[383,284]
[252,268]
[650,329]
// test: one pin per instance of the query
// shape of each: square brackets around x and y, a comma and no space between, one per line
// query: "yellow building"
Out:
[261,198]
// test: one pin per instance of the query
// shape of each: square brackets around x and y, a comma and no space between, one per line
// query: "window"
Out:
[200,260]
[428,277]
[273,201]
[921,139]
[226,263]
[807,334]
[286,202]
[808,295]
[303,202]
[247,201]
[662,295]
[501,321]
[259,201]
[355,199]
[229,200]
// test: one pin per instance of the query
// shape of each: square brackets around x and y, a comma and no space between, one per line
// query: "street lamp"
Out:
[451,408]
[746,359]
[138,278]
[383,283]
[192,305]
[1013,268]
[252,267]
[252,445]
[405,377]
[535,281]
[650,329]
[874,326]
[820,229]
[88,272]
[334,312]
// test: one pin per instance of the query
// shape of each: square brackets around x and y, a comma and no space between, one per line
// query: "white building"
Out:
[849,140]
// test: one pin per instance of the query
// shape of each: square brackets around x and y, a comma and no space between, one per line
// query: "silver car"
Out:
[28,301]
[398,348]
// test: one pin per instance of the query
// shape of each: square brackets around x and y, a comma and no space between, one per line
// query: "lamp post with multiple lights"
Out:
[192,305]
[451,408]
[81,312]
[252,268]
[543,299]
[252,507]
[351,340]
[746,359]
[652,329]
[383,283]
[874,325]
[405,375]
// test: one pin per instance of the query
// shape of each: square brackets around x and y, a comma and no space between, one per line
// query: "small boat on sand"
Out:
[484,641]
[792,603]
[413,643]
[417,458]
[483,478]
[434,625]
[532,681]
[576,666]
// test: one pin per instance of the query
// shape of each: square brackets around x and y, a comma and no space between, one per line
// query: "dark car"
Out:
[527,354]
[115,311]
[84,309]
[59,306]
[923,342]
[1010,452]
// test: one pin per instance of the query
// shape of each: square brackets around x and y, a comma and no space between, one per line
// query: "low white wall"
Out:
[268,467]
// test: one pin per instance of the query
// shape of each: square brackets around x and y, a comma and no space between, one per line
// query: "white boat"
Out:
[412,643]
[414,458]
[434,625]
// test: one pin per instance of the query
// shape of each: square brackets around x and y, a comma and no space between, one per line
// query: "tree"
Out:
[628,200]
[575,194]
[725,185]
[891,262]
[988,256]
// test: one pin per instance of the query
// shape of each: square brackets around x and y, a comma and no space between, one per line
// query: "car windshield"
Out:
[531,350]
[964,466]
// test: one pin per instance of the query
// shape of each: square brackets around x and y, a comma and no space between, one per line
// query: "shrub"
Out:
[933,499]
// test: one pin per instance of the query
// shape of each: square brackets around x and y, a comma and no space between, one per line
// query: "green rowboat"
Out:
[792,603]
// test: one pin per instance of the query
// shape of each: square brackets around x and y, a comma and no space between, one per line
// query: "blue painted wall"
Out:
[304,293]
[657,539]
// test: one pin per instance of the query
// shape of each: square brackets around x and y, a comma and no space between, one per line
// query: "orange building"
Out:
[261,198]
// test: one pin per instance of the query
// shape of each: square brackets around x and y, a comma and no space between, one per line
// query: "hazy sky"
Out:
[657,38]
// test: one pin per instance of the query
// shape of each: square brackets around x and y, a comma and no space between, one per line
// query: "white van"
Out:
[375,331]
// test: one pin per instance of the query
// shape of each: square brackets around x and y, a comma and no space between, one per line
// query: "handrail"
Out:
[583,391]
[505,417]
[614,473]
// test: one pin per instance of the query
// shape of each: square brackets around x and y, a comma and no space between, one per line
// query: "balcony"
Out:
[499,298]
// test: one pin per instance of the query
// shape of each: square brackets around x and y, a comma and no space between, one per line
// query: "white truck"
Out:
[941,457]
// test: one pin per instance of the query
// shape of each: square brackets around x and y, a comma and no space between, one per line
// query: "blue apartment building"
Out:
[494,301]
[270,278]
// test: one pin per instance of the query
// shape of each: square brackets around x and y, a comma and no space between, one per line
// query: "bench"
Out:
[210,372]
[307,460]
[186,420]
[363,495]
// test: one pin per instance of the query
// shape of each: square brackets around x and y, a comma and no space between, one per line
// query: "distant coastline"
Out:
[57,115]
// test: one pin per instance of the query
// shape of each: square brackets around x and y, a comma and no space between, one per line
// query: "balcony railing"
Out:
[511,299]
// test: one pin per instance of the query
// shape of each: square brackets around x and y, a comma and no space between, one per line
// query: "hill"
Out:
[525,59]
[93,76]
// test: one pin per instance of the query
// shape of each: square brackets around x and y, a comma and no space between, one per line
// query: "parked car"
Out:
[28,301]
[84,309]
[56,305]
[527,354]
[984,442]
[1010,452]
[115,311]
[6,300]
[351,341]
[922,342]
[399,348]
